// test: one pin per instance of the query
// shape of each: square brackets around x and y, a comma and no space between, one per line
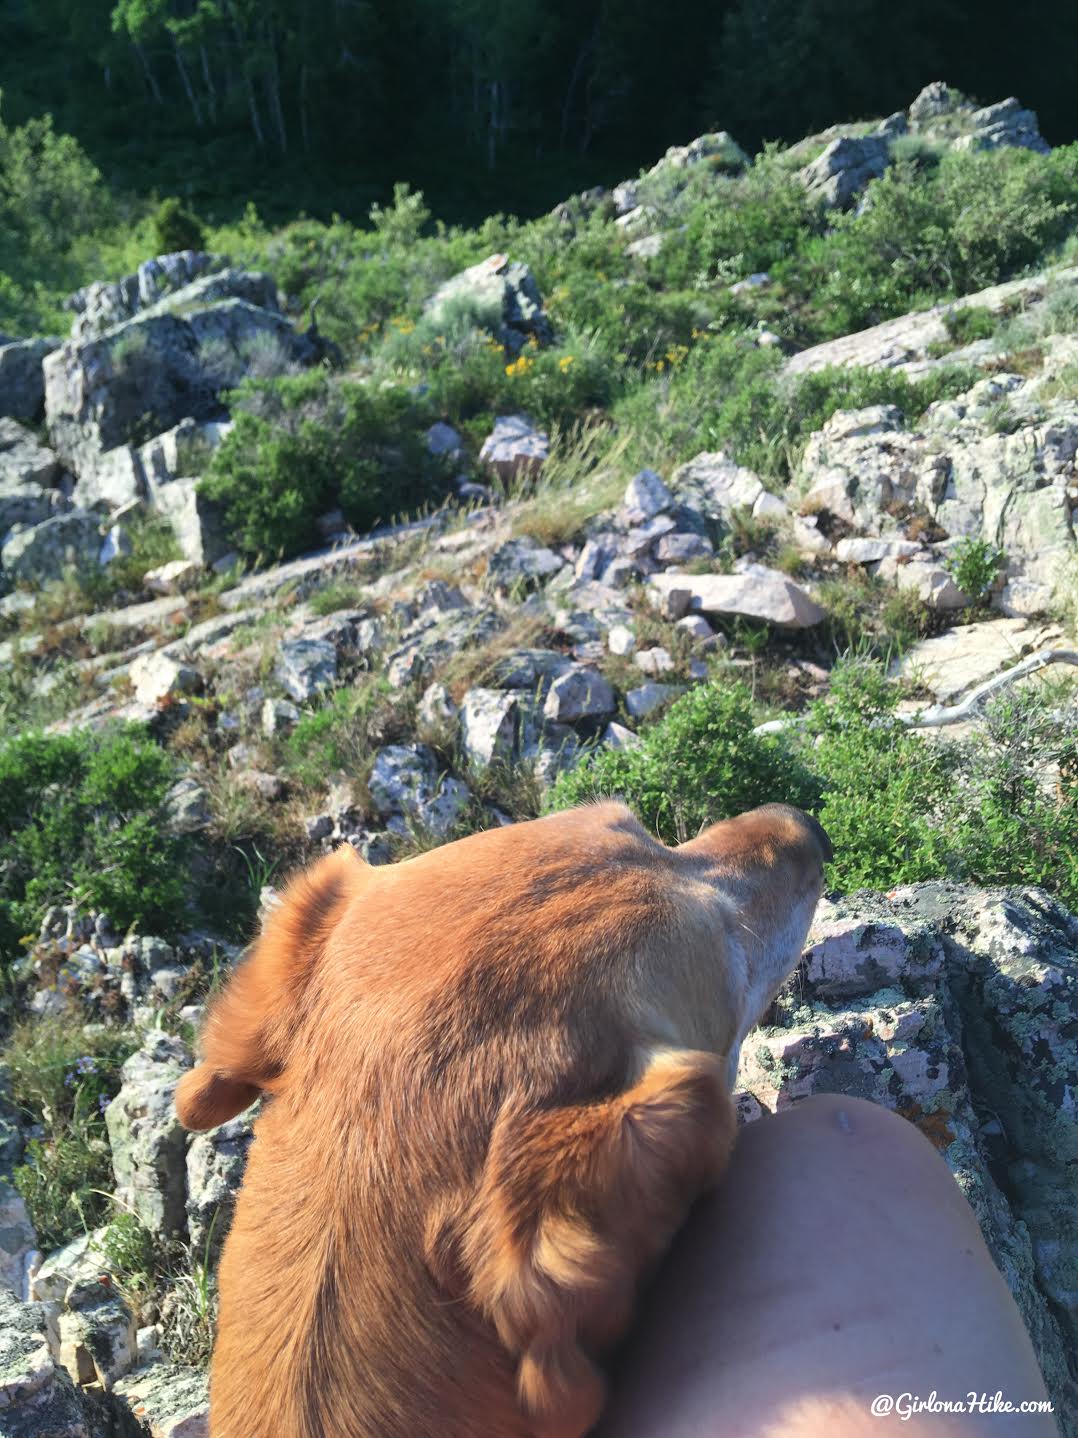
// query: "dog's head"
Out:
[688,946]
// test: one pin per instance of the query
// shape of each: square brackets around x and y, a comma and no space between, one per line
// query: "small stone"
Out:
[621,640]
[515,448]
[682,548]
[158,676]
[521,563]
[270,787]
[649,697]
[188,806]
[699,629]
[318,827]
[306,667]
[175,577]
[616,736]
[436,708]
[645,497]
[278,717]
[488,725]
[115,545]
[579,694]
[655,661]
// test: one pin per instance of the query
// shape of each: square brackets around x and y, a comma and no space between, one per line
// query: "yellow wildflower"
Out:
[565,362]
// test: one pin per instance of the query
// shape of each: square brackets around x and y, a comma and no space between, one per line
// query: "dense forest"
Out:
[487,104]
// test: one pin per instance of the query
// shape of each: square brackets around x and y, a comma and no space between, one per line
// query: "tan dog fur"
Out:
[500,1077]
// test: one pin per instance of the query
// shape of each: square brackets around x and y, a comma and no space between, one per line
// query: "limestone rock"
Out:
[215,1166]
[405,782]
[959,1010]
[22,384]
[170,1400]
[306,667]
[169,362]
[45,551]
[195,520]
[645,497]
[175,577]
[488,725]
[521,563]
[37,1397]
[515,448]
[645,699]
[18,1242]
[24,459]
[757,593]
[98,1342]
[579,694]
[159,676]
[148,1144]
[955,661]
[504,299]
[845,168]
[932,584]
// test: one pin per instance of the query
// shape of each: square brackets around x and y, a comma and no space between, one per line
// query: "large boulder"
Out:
[756,593]
[149,1147]
[501,296]
[215,1166]
[170,1400]
[28,472]
[41,552]
[405,786]
[515,448]
[99,306]
[37,1397]
[169,362]
[959,1010]
[22,384]
[846,166]
[1007,123]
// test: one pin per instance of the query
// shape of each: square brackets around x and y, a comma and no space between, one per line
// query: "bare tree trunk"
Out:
[273,86]
[185,77]
[574,80]
[304,115]
[148,73]
[207,79]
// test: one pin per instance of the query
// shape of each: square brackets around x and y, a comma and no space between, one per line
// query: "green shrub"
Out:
[900,807]
[699,764]
[734,229]
[81,818]
[304,444]
[966,324]
[974,565]
[978,218]
[887,789]
[175,228]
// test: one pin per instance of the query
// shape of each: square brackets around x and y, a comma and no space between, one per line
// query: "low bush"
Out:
[176,228]
[305,444]
[900,807]
[699,764]
[81,819]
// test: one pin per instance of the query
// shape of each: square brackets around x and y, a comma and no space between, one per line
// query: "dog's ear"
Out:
[251,1025]
[576,1205]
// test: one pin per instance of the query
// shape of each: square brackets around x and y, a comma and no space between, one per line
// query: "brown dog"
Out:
[500,1076]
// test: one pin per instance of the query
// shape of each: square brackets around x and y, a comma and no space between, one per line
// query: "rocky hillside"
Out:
[744,481]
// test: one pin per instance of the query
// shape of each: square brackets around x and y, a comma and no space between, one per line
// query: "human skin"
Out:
[837,1261]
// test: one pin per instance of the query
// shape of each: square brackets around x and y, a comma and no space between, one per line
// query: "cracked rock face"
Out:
[958,1009]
